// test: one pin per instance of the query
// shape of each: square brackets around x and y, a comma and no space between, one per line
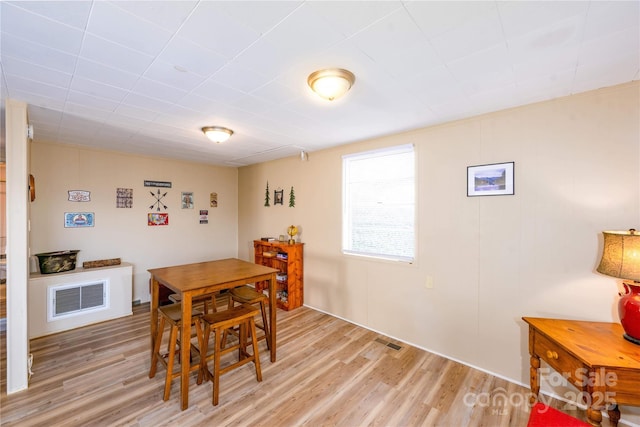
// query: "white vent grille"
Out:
[71,300]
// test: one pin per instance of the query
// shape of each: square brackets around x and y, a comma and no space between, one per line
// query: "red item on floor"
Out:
[545,416]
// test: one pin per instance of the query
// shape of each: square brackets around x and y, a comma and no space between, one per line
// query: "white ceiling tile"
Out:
[19,83]
[538,87]
[167,74]
[112,23]
[83,110]
[194,101]
[397,50]
[521,17]
[98,89]
[211,27]
[121,121]
[127,112]
[37,29]
[260,16]
[34,53]
[391,37]
[170,129]
[483,67]
[494,98]
[560,38]
[178,123]
[188,55]
[607,48]
[354,16]
[252,104]
[268,58]
[45,116]
[454,109]
[147,103]
[240,78]
[33,96]
[35,72]
[106,75]
[437,17]
[276,93]
[89,101]
[114,55]
[538,67]
[610,17]
[406,62]
[167,14]
[71,13]
[158,90]
[40,95]
[438,85]
[477,34]
[304,33]
[604,74]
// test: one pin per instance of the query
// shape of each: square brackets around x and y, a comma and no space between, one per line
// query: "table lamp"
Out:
[621,258]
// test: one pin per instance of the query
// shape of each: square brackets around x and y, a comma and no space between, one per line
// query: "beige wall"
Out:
[492,259]
[124,233]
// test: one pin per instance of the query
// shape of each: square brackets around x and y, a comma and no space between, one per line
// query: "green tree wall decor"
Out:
[292,199]
[266,195]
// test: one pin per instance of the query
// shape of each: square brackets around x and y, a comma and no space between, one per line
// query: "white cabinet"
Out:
[61,301]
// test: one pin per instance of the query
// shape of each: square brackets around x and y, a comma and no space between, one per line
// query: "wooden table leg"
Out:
[272,314]
[614,415]
[154,311]
[533,377]
[185,349]
[594,416]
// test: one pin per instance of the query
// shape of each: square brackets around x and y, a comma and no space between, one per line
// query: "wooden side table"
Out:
[593,356]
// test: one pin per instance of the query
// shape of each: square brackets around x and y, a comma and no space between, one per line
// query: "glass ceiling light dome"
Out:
[217,134]
[331,83]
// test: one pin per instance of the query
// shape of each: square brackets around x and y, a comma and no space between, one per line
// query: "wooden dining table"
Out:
[192,280]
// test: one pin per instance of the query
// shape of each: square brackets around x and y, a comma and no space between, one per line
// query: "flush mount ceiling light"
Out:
[331,83]
[217,134]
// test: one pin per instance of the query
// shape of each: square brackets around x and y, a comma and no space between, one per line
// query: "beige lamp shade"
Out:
[621,255]
[217,134]
[331,83]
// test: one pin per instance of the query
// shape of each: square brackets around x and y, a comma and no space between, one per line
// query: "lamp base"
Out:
[632,339]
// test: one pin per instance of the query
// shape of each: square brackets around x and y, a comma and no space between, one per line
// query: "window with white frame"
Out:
[379,203]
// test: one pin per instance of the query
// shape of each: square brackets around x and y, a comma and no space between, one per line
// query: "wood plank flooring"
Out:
[328,373]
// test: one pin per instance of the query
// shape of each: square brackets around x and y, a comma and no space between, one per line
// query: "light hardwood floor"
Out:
[328,373]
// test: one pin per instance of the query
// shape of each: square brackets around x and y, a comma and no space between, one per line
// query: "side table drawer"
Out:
[559,359]
[626,386]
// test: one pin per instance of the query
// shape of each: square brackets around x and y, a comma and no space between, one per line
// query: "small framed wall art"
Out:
[124,197]
[156,218]
[78,219]
[494,179]
[187,200]
[204,216]
[278,197]
[79,195]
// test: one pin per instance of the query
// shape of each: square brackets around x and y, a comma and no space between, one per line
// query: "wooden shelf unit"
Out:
[288,259]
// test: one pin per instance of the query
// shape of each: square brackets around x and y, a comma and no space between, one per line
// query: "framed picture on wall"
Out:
[187,200]
[278,197]
[78,219]
[494,179]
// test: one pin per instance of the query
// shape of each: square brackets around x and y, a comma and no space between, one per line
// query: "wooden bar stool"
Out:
[172,314]
[241,316]
[207,301]
[248,295]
